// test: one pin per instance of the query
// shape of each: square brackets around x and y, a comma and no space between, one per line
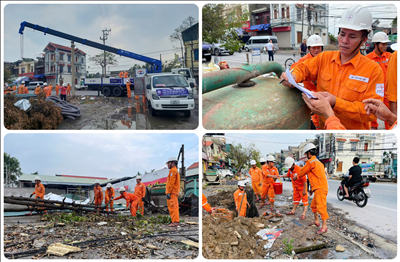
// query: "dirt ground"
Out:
[109,113]
[123,237]
[219,237]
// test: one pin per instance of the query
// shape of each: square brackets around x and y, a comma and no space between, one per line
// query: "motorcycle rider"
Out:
[354,176]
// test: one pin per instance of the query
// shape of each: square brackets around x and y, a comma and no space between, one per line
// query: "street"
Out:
[378,216]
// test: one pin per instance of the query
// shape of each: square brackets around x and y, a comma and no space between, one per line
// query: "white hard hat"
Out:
[380,37]
[23,82]
[172,159]
[315,40]
[38,85]
[45,83]
[38,178]
[109,185]
[356,18]
[242,183]
[97,181]
[64,84]
[67,82]
[121,189]
[253,162]
[139,177]
[262,160]
[308,147]
[289,162]
[394,46]
[271,158]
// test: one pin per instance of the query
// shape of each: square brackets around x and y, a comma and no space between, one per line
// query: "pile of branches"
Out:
[41,115]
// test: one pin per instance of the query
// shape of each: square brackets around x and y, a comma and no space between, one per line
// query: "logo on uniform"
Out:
[350,17]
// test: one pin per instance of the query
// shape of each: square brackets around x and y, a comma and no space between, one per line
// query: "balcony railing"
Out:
[365,153]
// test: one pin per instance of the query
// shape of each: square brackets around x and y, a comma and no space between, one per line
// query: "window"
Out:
[69,69]
[31,69]
[76,69]
[283,12]
[23,70]
[61,57]
[69,58]
[76,81]
[287,12]
[365,147]
[298,13]
[76,59]
[61,68]
[81,59]
[340,146]
[275,14]
[353,146]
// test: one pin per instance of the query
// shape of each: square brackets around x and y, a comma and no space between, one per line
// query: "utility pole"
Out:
[105,34]
[302,25]
[73,68]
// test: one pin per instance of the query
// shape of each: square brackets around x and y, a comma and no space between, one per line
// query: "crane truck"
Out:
[107,86]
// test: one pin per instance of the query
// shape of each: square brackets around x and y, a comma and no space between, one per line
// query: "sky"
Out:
[269,143]
[112,155]
[138,28]
[385,12]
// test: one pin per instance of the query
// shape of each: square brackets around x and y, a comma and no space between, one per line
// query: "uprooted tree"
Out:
[243,154]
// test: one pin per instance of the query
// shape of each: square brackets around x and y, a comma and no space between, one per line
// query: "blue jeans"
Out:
[270,55]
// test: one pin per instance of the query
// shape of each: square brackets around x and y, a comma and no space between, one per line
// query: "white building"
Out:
[57,64]
[336,151]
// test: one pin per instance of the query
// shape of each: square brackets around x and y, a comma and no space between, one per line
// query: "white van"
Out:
[258,42]
[167,91]
[186,73]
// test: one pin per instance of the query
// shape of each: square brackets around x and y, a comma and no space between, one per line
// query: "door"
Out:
[340,166]
[299,40]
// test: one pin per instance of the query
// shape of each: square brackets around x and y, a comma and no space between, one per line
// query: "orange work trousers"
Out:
[97,202]
[243,211]
[111,205]
[256,188]
[128,92]
[268,189]
[318,203]
[140,206]
[173,207]
[40,208]
[298,195]
[68,92]
[57,92]
[134,205]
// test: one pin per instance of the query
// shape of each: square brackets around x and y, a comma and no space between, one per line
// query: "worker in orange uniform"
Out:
[206,206]
[57,89]
[322,107]
[299,187]
[346,77]
[121,74]
[391,81]
[172,191]
[319,186]
[51,88]
[315,46]
[68,89]
[46,89]
[241,199]
[128,88]
[38,89]
[7,90]
[98,194]
[131,200]
[255,173]
[140,192]
[381,57]
[22,89]
[39,191]
[270,173]
[109,195]
[14,87]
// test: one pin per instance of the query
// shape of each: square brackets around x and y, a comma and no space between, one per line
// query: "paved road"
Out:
[378,216]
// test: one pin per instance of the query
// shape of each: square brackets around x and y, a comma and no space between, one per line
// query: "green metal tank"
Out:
[266,105]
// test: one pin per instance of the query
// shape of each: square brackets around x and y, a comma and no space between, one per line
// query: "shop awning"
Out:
[260,27]
[38,76]
[281,29]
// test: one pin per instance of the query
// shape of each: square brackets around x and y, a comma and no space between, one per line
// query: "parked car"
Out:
[370,46]
[206,51]
[218,49]
[32,85]
[81,87]
[259,42]
[224,173]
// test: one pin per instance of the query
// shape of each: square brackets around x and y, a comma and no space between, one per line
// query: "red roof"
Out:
[52,46]
[194,165]
[208,143]
[90,177]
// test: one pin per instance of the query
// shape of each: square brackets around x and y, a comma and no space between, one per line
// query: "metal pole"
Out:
[73,68]
[105,34]
[183,59]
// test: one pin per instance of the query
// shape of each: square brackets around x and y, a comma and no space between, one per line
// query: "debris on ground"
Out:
[339,248]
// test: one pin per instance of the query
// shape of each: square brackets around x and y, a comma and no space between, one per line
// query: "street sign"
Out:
[255,52]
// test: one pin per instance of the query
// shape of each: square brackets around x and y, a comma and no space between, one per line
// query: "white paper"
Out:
[302,89]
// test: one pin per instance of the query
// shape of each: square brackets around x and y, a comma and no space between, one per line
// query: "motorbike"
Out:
[358,193]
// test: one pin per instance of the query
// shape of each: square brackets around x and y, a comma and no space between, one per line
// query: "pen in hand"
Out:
[282,79]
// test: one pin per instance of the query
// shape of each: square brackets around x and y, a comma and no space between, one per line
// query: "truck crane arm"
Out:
[156,65]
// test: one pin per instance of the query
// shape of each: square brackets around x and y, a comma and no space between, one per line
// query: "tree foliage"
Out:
[8,77]
[168,65]
[394,22]
[332,38]
[13,167]
[220,24]
[176,36]
[99,59]
[243,154]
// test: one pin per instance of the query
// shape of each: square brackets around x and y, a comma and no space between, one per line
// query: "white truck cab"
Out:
[167,91]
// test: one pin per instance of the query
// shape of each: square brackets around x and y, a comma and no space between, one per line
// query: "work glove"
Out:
[31,196]
[168,196]
[142,198]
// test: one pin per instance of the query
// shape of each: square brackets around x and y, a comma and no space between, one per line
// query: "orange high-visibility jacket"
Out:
[265,171]
[37,90]
[255,174]
[57,87]
[205,204]
[98,192]
[140,190]
[351,83]
[333,123]
[23,90]
[382,61]
[128,197]
[126,75]
[307,84]
[110,192]
[272,171]
[51,87]
[121,74]
[299,181]
[173,182]
[14,88]
[315,171]
[391,83]
[39,191]
[68,87]
[238,195]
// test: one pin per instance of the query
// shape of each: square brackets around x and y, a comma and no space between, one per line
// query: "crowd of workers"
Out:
[135,200]
[64,90]
[262,182]
[351,90]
